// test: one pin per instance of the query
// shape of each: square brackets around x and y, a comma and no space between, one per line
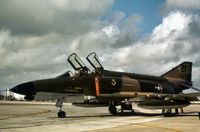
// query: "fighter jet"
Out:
[112,88]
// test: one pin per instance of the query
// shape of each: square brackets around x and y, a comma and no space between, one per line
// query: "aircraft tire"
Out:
[112,109]
[61,114]
[168,113]
[176,111]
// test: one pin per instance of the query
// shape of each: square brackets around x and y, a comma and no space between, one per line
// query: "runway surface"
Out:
[42,116]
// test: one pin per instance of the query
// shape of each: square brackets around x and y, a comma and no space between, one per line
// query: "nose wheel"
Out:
[59,104]
[61,114]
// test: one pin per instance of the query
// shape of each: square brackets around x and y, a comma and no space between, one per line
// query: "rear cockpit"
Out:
[93,59]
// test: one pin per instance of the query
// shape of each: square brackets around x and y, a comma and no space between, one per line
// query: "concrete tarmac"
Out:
[42,116]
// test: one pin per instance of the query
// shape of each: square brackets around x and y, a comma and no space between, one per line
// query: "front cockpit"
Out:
[78,65]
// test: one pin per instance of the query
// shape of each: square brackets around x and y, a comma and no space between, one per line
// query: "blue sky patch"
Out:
[148,10]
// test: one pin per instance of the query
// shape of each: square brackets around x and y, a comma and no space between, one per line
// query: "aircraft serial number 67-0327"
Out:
[111,88]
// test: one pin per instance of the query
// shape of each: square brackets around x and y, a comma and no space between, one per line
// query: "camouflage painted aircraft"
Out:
[111,88]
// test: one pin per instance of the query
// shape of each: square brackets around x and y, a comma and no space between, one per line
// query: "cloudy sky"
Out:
[141,36]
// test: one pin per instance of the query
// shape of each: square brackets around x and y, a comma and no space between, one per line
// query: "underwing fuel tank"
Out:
[163,104]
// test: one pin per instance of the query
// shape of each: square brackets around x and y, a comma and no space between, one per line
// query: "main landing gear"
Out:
[61,113]
[168,112]
[112,108]
[127,106]
[124,106]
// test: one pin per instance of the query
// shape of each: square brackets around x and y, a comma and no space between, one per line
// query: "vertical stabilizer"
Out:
[182,71]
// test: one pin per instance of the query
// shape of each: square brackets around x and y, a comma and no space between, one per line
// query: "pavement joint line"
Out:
[28,114]
[112,124]
[141,124]
[153,126]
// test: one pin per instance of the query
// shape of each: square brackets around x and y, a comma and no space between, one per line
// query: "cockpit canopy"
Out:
[76,62]
[94,61]
[79,66]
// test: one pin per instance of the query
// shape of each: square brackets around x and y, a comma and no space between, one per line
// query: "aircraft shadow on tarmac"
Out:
[124,114]
[156,114]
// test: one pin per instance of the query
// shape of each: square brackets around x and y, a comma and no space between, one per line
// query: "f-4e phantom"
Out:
[112,88]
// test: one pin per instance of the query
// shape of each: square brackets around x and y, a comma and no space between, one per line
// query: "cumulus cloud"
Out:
[183,5]
[36,40]
[116,31]
[173,41]
[36,36]
[27,17]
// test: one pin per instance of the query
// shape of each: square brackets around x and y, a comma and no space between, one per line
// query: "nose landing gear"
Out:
[61,113]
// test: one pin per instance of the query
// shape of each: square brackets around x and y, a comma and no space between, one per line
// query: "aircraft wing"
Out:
[130,95]
[186,95]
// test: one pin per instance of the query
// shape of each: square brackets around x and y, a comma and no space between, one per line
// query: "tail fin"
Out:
[182,71]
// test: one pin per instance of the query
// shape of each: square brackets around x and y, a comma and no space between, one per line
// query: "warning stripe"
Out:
[97,86]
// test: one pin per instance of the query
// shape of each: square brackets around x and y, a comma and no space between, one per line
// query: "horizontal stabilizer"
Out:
[197,89]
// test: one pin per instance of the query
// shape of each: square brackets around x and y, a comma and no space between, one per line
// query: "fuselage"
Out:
[147,83]
[109,82]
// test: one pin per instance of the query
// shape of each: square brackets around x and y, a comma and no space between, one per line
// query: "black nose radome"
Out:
[24,89]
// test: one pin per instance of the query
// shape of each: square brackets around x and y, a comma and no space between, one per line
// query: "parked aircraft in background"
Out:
[112,88]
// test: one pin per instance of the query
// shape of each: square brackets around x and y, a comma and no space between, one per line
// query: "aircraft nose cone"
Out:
[14,89]
[24,89]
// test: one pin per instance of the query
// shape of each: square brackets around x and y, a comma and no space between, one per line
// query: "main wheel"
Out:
[112,108]
[61,114]
[176,111]
[168,113]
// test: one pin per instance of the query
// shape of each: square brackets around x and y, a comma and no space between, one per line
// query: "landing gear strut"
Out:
[168,112]
[61,113]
